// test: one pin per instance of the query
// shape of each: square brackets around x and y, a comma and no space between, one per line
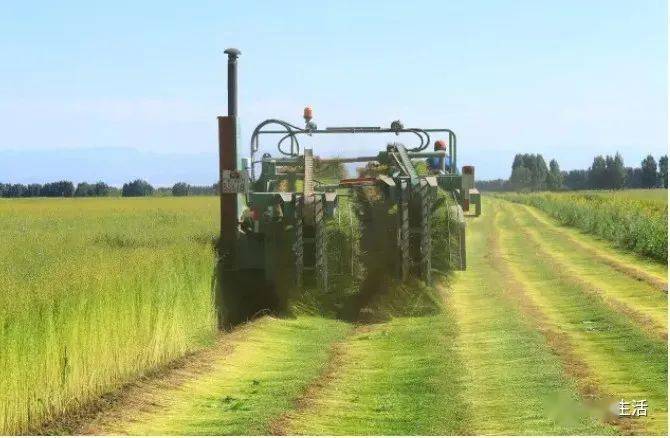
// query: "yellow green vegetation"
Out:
[543,334]
[271,362]
[96,292]
[633,220]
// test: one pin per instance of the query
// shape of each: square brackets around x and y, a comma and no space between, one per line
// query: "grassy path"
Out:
[513,381]
[641,301]
[401,377]
[268,368]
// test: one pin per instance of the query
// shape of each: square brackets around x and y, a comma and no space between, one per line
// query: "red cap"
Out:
[307,114]
[440,145]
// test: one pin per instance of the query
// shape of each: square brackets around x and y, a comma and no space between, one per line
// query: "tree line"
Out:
[67,189]
[54,189]
[530,173]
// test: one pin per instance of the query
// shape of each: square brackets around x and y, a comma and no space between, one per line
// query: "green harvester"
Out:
[274,210]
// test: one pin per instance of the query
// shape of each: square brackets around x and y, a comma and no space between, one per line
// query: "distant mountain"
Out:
[111,165]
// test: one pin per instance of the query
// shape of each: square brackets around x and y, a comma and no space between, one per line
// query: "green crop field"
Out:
[659,196]
[107,327]
[634,220]
[94,293]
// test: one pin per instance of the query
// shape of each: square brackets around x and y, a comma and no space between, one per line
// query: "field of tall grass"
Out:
[633,220]
[95,292]
[98,291]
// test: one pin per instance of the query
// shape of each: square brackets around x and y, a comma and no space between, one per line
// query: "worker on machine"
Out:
[438,165]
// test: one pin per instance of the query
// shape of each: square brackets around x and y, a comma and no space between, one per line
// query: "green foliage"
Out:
[94,293]
[554,177]
[633,224]
[84,189]
[529,172]
[616,173]
[607,172]
[663,171]
[97,189]
[139,187]
[576,179]
[649,176]
[521,178]
[180,189]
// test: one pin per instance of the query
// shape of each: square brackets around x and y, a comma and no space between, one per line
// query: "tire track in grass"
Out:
[513,382]
[644,305]
[652,273]
[268,369]
[401,377]
[280,425]
[625,362]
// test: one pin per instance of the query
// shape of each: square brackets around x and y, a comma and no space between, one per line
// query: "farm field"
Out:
[659,196]
[94,293]
[633,220]
[546,330]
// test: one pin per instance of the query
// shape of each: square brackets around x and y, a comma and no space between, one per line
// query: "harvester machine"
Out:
[274,210]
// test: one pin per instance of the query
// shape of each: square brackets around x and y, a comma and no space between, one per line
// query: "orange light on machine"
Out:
[308,114]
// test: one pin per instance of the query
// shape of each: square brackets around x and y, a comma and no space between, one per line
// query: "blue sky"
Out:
[568,79]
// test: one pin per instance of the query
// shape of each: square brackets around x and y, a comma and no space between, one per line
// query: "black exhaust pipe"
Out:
[233,54]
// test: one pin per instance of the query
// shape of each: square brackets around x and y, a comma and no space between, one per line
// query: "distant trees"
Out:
[663,171]
[83,189]
[554,177]
[616,172]
[520,178]
[529,172]
[180,189]
[139,187]
[97,189]
[649,176]
[633,177]
[494,185]
[33,190]
[576,179]
[58,189]
[597,172]
[607,172]
[203,190]
[54,189]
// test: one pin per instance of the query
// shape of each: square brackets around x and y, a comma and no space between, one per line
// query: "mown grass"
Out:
[615,286]
[401,377]
[96,292]
[512,382]
[630,222]
[625,361]
[268,368]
